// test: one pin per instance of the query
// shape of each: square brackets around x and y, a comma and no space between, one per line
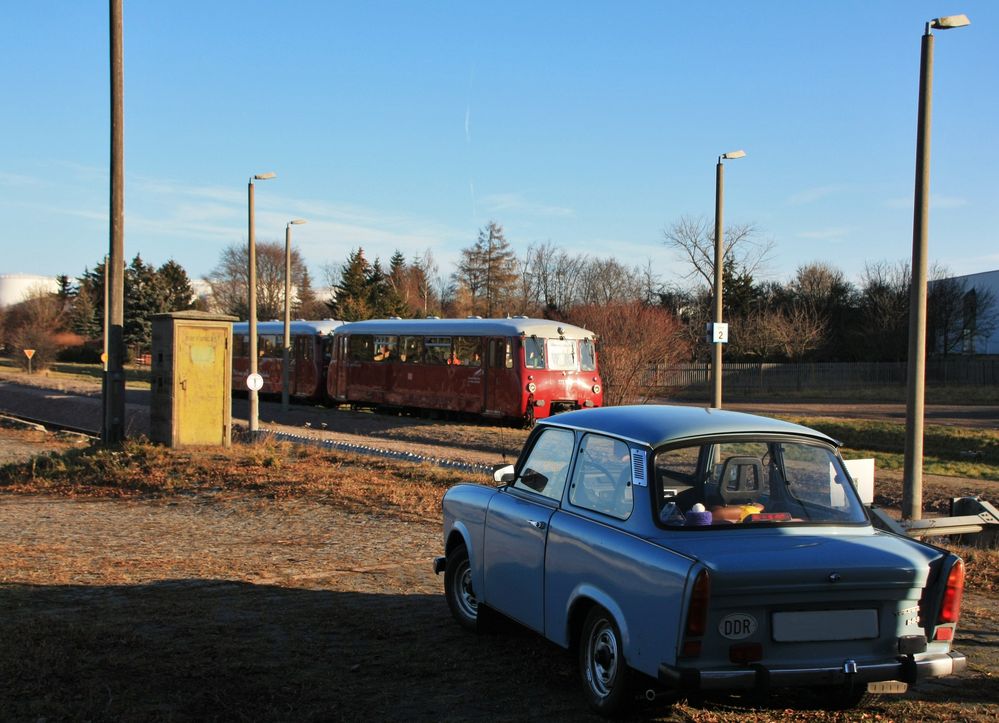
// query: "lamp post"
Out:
[719,335]
[912,489]
[252,300]
[286,347]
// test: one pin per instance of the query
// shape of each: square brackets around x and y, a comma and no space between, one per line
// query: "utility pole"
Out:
[114,389]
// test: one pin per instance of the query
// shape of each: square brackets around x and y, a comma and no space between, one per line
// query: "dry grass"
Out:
[274,470]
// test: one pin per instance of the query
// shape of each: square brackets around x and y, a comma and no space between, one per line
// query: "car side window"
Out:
[601,480]
[547,465]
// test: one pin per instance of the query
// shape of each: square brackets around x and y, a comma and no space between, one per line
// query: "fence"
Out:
[766,377]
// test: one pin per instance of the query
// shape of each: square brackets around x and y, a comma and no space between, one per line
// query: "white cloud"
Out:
[517,203]
[811,195]
[825,234]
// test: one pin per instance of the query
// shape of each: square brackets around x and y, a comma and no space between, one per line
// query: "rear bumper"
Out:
[910,669]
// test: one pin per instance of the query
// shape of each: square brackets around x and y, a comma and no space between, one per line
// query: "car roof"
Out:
[657,424]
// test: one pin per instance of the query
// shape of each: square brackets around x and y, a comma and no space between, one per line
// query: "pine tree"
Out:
[178,294]
[144,296]
[351,300]
[487,271]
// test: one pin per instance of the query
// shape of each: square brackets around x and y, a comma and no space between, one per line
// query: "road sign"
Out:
[104,357]
[254,382]
[718,333]
[29,353]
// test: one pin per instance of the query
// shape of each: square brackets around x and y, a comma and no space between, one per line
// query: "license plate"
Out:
[820,625]
[887,687]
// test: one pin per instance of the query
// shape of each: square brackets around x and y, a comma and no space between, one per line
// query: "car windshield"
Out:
[749,482]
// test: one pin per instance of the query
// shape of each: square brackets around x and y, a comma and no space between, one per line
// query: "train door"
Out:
[338,374]
[302,369]
[501,388]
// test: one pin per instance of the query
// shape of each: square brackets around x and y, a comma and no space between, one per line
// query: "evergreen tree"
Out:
[487,271]
[144,296]
[351,302]
[178,294]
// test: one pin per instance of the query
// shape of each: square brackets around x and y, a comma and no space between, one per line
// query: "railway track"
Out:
[51,425]
[323,442]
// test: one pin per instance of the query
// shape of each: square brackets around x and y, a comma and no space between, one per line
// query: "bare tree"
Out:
[604,281]
[884,310]
[229,279]
[38,323]
[630,337]
[693,239]
[557,277]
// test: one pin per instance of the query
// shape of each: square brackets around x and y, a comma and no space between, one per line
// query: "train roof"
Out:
[520,326]
[321,327]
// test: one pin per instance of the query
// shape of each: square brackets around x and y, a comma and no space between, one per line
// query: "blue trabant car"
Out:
[688,550]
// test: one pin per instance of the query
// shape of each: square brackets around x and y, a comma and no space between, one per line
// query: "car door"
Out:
[516,529]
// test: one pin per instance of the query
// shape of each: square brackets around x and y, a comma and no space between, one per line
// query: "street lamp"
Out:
[252,300]
[912,489]
[286,348]
[719,333]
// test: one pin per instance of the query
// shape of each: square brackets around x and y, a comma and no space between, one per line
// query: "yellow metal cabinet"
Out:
[191,379]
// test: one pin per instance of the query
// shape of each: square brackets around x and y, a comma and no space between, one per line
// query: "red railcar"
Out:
[311,342]
[512,368]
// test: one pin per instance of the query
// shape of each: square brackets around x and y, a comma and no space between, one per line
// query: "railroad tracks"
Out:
[325,443]
[51,425]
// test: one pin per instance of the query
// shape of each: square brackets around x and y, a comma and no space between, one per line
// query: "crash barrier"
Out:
[752,377]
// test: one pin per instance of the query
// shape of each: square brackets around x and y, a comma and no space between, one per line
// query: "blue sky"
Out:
[410,125]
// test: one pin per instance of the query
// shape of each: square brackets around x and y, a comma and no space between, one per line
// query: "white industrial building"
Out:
[15,288]
[985,287]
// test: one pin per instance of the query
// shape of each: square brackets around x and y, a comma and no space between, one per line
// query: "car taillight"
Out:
[950,610]
[697,615]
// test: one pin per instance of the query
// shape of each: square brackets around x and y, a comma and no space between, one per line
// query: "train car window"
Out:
[468,351]
[562,354]
[386,348]
[508,354]
[269,345]
[587,356]
[411,349]
[327,350]
[534,352]
[437,350]
[359,347]
[240,346]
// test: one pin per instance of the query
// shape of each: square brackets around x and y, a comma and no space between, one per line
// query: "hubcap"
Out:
[463,592]
[603,658]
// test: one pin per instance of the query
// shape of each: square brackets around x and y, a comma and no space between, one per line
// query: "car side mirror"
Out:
[504,475]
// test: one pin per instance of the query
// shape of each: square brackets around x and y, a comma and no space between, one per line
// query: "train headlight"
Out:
[596,389]
[531,387]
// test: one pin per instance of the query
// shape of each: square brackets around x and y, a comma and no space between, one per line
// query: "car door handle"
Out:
[540,524]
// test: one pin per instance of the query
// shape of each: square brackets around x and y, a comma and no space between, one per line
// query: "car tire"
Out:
[602,667]
[458,589]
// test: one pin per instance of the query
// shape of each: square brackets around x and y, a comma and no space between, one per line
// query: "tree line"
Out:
[817,315]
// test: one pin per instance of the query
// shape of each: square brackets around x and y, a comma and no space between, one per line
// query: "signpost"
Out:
[29,353]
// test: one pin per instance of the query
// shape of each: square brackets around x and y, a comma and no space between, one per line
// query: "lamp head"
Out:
[733,154]
[297,221]
[950,21]
[264,176]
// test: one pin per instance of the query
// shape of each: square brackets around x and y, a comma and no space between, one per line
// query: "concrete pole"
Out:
[251,290]
[716,348]
[912,476]
[113,426]
[286,346]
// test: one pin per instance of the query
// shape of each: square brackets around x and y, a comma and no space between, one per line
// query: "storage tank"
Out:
[15,288]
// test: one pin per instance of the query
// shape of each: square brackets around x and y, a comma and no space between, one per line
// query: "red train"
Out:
[519,368]
[311,344]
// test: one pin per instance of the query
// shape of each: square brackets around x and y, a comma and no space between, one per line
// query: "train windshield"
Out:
[534,352]
[562,355]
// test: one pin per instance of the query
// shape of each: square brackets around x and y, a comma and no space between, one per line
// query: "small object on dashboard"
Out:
[697,516]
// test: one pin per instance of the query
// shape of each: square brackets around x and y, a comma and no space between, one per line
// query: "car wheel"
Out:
[602,666]
[458,588]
